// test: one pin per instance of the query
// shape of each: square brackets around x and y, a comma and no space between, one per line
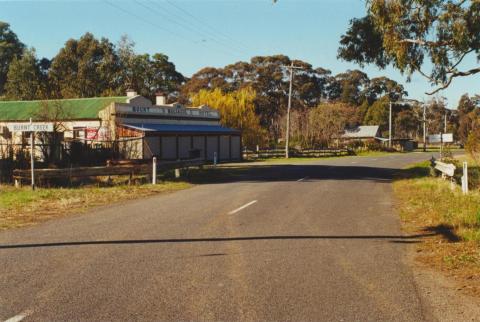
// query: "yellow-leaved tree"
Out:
[237,110]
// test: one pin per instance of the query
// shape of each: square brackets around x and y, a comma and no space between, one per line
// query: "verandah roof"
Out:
[181,128]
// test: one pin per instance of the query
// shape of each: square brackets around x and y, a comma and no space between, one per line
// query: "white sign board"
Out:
[445,168]
[438,138]
[166,111]
[30,127]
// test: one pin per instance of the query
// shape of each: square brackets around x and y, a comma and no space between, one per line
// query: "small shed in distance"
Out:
[361,133]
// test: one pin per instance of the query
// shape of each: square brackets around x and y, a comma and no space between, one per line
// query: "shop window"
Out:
[78,132]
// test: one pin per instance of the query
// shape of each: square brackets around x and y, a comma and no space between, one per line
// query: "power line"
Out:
[154,24]
[205,30]
[146,21]
[181,24]
[203,23]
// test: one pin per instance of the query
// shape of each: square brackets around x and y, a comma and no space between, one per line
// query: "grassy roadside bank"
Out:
[428,205]
[23,207]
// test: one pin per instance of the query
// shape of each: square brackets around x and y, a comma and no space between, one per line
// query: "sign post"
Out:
[32,128]
[32,159]
[441,146]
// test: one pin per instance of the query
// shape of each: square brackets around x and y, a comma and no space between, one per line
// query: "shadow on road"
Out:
[390,238]
[271,173]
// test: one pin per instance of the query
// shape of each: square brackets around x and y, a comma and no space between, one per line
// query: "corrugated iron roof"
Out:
[75,108]
[181,128]
[362,131]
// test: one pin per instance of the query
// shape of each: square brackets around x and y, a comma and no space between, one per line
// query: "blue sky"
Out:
[198,33]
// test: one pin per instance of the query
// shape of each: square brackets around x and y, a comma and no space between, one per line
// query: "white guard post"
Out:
[154,170]
[465,178]
[214,158]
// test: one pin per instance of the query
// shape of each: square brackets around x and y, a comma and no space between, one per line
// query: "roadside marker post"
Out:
[215,158]
[154,170]
[465,178]
[32,128]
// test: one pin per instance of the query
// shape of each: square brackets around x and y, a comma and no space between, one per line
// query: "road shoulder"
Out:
[440,295]
[444,264]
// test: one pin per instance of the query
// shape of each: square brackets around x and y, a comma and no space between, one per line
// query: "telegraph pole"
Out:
[445,130]
[390,126]
[424,127]
[287,137]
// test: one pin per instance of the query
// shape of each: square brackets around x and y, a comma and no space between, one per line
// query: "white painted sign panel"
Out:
[30,127]
[446,168]
[166,111]
[437,138]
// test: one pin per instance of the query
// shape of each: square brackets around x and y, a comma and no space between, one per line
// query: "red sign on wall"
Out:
[100,133]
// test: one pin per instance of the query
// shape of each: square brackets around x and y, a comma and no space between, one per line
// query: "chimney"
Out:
[161,99]
[131,93]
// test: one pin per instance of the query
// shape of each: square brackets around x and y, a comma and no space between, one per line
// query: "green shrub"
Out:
[473,145]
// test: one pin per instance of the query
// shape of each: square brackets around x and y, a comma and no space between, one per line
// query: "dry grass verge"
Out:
[428,204]
[23,207]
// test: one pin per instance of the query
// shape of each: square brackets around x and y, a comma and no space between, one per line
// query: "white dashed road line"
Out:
[19,317]
[242,207]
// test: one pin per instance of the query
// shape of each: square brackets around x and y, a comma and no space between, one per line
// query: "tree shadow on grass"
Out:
[418,171]
[446,231]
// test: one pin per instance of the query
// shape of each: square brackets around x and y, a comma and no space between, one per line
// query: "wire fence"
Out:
[296,153]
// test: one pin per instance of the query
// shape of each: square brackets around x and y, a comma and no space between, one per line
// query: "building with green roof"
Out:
[167,131]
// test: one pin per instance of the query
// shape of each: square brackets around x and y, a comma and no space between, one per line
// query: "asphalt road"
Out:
[303,242]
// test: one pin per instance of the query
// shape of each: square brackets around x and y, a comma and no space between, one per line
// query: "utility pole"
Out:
[287,138]
[390,127]
[445,130]
[424,128]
